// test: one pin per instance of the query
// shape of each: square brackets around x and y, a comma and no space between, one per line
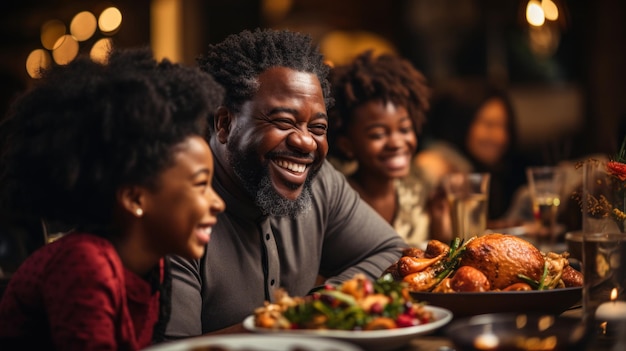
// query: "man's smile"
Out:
[294,167]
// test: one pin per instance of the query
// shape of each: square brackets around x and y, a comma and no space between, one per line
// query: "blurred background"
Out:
[562,61]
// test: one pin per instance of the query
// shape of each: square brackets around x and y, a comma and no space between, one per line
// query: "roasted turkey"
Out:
[493,262]
[502,258]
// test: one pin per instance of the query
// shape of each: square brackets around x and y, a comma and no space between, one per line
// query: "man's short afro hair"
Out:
[237,61]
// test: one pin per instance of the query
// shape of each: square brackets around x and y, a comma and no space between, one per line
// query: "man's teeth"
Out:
[294,167]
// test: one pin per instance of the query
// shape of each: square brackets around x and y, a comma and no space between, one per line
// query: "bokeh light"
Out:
[61,46]
[51,31]
[65,50]
[340,47]
[83,25]
[534,13]
[37,60]
[550,10]
[100,50]
[275,10]
[110,20]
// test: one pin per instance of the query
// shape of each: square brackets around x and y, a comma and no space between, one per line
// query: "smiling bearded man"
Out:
[255,177]
[290,216]
[276,141]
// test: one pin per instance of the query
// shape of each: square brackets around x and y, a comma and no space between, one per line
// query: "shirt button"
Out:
[267,237]
[272,282]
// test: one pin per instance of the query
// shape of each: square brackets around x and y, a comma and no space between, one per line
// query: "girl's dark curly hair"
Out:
[85,129]
[386,77]
[237,61]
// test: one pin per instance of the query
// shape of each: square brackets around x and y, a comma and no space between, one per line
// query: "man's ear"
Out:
[131,199]
[223,119]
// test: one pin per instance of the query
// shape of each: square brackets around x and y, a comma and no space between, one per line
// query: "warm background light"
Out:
[340,47]
[83,25]
[275,10]
[543,41]
[534,13]
[61,47]
[110,20]
[100,50]
[550,10]
[51,31]
[165,29]
[65,50]
[37,60]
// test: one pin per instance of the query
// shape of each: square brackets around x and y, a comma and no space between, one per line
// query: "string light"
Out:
[110,20]
[38,59]
[550,10]
[83,26]
[534,13]
[544,32]
[537,12]
[61,47]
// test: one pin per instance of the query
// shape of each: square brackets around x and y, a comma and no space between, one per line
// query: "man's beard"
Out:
[272,203]
[255,179]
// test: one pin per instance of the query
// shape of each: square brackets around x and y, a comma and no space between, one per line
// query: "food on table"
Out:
[572,277]
[493,262]
[468,278]
[502,258]
[357,304]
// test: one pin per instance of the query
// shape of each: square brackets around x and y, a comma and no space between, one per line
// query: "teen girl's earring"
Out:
[139,212]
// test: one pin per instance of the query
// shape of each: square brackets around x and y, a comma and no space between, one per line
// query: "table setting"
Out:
[390,314]
[482,291]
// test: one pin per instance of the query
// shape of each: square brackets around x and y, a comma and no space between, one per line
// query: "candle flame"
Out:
[614,294]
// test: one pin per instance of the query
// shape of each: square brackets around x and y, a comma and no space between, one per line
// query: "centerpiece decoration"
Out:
[603,204]
[604,198]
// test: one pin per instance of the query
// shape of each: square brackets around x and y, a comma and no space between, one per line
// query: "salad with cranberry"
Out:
[357,304]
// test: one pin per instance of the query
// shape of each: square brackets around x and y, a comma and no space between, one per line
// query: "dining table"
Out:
[439,341]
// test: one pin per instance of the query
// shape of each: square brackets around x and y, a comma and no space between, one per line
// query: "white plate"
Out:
[256,342]
[368,339]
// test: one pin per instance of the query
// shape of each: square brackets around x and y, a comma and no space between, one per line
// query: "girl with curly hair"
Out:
[117,152]
[380,107]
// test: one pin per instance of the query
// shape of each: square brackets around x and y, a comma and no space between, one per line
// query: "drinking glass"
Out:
[467,195]
[603,204]
[545,185]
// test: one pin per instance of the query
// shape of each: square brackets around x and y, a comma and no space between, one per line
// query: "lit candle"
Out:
[613,310]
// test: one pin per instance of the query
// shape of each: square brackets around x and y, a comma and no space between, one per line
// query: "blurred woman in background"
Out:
[472,128]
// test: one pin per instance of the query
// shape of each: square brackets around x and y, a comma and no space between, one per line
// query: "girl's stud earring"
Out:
[139,212]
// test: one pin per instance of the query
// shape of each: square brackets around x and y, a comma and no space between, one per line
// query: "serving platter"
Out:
[252,342]
[388,339]
[463,304]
